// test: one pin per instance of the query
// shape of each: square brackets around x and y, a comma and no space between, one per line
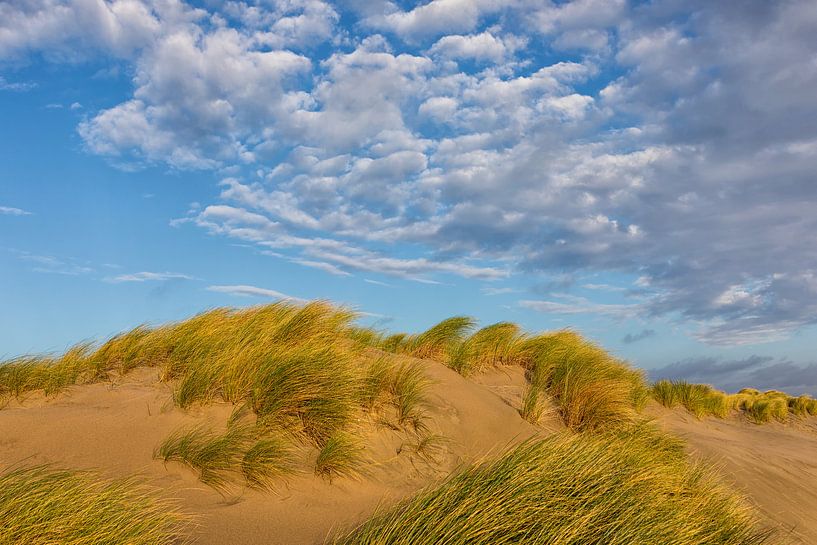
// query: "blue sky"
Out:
[643,172]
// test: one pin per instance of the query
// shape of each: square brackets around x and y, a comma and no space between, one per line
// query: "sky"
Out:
[643,172]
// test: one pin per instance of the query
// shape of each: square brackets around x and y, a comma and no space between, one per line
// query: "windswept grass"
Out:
[437,342]
[764,409]
[759,407]
[223,457]
[267,460]
[217,456]
[588,489]
[339,457]
[590,388]
[298,367]
[699,399]
[491,346]
[46,506]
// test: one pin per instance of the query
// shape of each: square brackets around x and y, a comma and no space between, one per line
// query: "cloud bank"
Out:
[667,142]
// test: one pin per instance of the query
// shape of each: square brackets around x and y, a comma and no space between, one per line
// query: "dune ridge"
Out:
[289,424]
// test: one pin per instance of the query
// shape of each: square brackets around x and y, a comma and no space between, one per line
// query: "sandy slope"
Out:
[775,465]
[114,427]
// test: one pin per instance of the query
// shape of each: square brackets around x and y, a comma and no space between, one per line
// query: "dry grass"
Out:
[436,343]
[699,399]
[588,489]
[491,346]
[217,456]
[46,506]
[587,386]
[339,457]
[300,368]
[759,407]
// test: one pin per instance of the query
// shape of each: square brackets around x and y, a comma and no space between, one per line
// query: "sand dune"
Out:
[775,465]
[114,427]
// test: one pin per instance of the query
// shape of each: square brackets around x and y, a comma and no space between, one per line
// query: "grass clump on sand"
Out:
[634,486]
[588,387]
[297,367]
[45,506]
[222,457]
[759,407]
[765,409]
[339,457]
[699,399]
[491,346]
[303,370]
[772,405]
[437,343]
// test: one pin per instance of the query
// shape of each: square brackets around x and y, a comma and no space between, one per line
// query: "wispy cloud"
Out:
[243,290]
[580,305]
[603,287]
[11,211]
[146,276]
[53,265]
[376,282]
[498,291]
[17,87]
[321,265]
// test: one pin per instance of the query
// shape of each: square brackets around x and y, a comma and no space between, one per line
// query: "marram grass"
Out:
[635,486]
[759,407]
[297,366]
[584,384]
[339,457]
[47,506]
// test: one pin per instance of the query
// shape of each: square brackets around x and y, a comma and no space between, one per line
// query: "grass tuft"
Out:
[266,461]
[45,506]
[339,457]
[216,456]
[630,487]
[491,346]
[439,341]
[700,399]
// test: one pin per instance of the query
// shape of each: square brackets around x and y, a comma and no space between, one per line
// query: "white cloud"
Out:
[382,154]
[19,87]
[11,211]
[480,47]
[581,305]
[147,276]
[435,18]
[71,30]
[498,291]
[253,291]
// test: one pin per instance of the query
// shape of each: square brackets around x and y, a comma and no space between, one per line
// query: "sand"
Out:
[114,427]
[774,465]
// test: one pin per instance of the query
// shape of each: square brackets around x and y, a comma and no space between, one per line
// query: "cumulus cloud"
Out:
[434,18]
[71,30]
[480,47]
[664,141]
